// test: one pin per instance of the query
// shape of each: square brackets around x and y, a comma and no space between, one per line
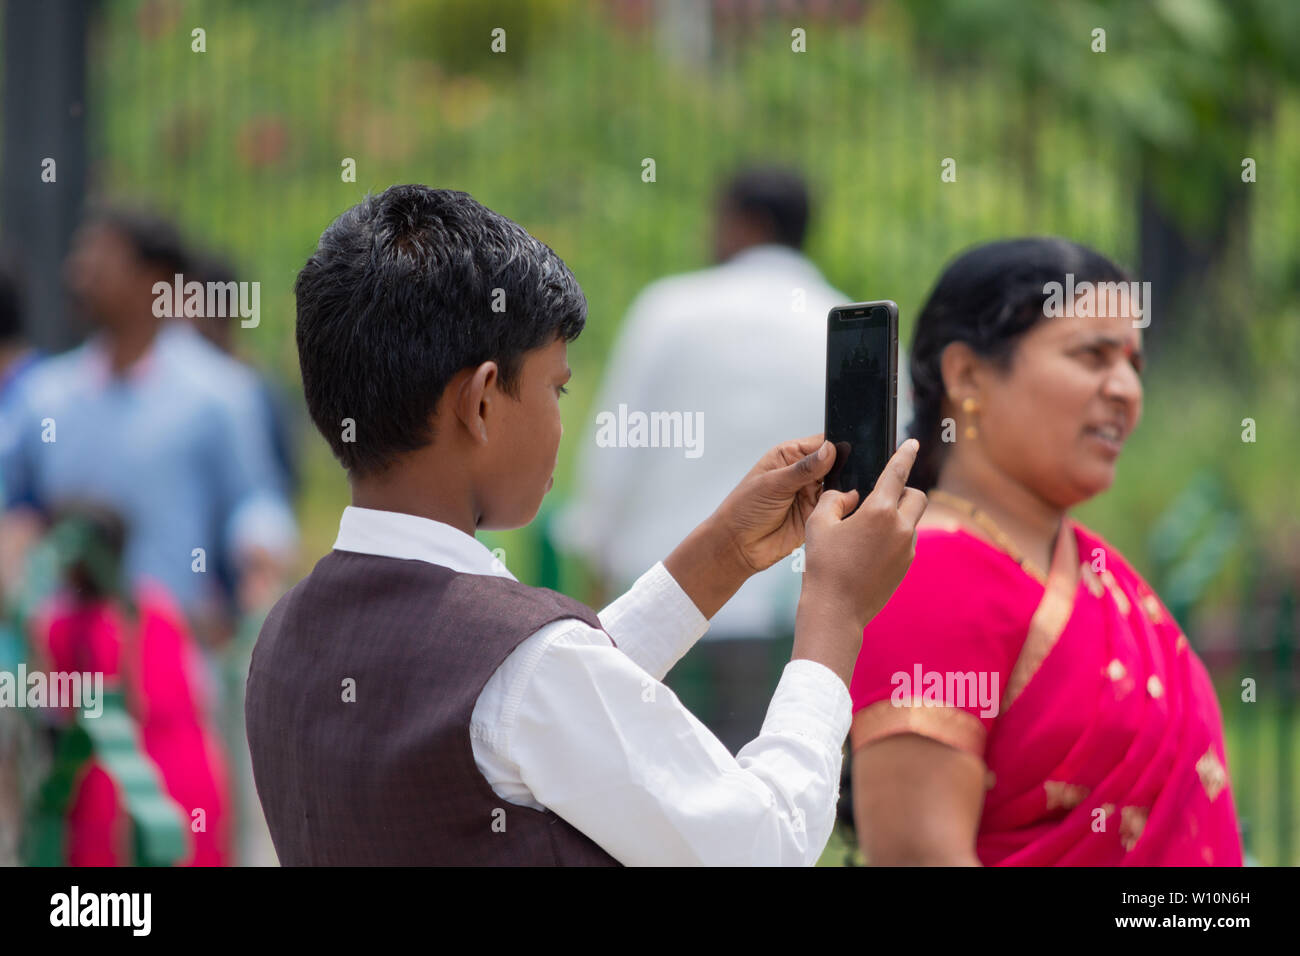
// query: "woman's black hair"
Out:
[988,297]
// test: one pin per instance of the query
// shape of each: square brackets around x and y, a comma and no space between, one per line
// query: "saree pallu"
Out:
[1103,743]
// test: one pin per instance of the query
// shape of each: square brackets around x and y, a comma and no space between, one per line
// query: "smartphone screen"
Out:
[861,392]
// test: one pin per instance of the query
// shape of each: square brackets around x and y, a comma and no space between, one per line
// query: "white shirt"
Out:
[743,345]
[571,723]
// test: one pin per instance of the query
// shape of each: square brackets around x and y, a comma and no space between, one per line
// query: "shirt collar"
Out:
[393,534]
[768,255]
[170,335]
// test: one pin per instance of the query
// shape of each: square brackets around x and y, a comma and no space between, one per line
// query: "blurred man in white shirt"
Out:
[718,347]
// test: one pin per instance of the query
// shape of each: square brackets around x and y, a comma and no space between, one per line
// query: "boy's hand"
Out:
[766,513]
[855,561]
[758,524]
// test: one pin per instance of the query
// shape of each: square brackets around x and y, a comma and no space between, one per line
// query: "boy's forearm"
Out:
[708,566]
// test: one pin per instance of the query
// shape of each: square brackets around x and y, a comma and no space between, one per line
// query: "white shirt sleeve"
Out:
[655,623]
[572,724]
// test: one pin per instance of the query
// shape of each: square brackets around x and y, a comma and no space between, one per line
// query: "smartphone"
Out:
[861,392]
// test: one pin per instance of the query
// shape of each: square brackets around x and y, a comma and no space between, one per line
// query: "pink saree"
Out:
[1096,722]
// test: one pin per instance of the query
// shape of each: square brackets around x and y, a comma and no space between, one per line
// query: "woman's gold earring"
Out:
[970,407]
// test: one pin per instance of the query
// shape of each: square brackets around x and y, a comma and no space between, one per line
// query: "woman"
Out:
[1024,698]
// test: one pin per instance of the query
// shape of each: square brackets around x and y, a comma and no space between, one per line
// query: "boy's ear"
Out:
[474,395]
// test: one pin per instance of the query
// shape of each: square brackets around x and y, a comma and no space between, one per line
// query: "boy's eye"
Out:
[563,390]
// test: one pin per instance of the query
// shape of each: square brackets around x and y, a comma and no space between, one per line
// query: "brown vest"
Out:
[388,778]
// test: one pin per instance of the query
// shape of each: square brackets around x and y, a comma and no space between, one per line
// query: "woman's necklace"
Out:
[990,526]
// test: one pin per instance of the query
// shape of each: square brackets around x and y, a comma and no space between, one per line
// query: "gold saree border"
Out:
[1050,616]
[950,725]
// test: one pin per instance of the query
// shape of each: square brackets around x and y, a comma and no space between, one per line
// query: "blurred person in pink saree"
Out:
[135,636]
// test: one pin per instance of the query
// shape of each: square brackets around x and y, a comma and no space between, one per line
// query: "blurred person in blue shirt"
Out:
[150,419]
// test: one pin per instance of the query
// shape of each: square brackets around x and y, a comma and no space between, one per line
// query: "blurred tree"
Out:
[457,33]
[1187,85]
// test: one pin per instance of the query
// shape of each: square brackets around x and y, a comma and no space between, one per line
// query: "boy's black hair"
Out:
[399,297]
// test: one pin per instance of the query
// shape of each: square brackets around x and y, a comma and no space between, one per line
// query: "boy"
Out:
[410,702]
